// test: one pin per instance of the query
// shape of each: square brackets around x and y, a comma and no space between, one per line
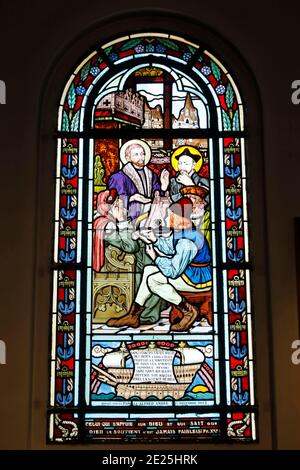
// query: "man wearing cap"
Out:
[187,160]
[200,215]
[135,182]
[182,265]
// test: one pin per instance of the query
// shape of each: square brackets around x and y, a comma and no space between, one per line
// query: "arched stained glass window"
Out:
[151,318]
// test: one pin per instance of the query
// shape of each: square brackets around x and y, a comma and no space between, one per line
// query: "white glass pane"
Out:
[221,158]
[52,384]
[81,118]
[226,336]
[251,383]
[219,116]
[56,241]
[53,342]
[87,93]
[88,347]
[79,202]
[80,158]
[215,290]
[124,59]
[88,287]
[227,372]
[89,247]
[211,159]
[54,296]
[77,334]
[249,328]
[114,82]
[246,242]
[217,382]
[58,158]
[222,202]
[171,57]
[203,78]
[141,35]
[225,291]
[242,123]
[245,212]
[216,347]
[248,295]
[216,327]
[76,383]
[253,427]
[51,427]
[57,198]
[79,241]
[223,236]
[59,117]
[90,202]
[78,287]
[87,382]
[88,323]
[212,200]
[213,240]
[91,159]
[243,159]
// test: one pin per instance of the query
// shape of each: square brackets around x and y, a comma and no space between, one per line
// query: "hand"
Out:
[150,235]
[139,198]
[150,252]
[119,212]
[147,236]
[164,179]
[185,179]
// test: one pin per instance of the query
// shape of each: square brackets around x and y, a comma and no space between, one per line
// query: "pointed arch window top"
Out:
[160,48]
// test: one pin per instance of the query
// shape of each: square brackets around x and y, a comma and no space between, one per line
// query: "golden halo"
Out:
[193,150]
[142,143]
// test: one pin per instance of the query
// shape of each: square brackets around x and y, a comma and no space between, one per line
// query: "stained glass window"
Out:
[151,318]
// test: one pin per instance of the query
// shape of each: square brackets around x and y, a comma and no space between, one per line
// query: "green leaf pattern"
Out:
[236,121]
[107,50]
[226,121]
[65,122]
[71,96]
[129,44]
[215,70]
[168,43]
[75,122]
[229,96]
[192,49]
[85,71]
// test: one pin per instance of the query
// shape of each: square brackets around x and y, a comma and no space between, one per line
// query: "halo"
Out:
[142,143]
[193,150]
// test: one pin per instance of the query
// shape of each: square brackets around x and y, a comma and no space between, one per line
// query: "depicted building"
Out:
[126,107]
[188,116]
